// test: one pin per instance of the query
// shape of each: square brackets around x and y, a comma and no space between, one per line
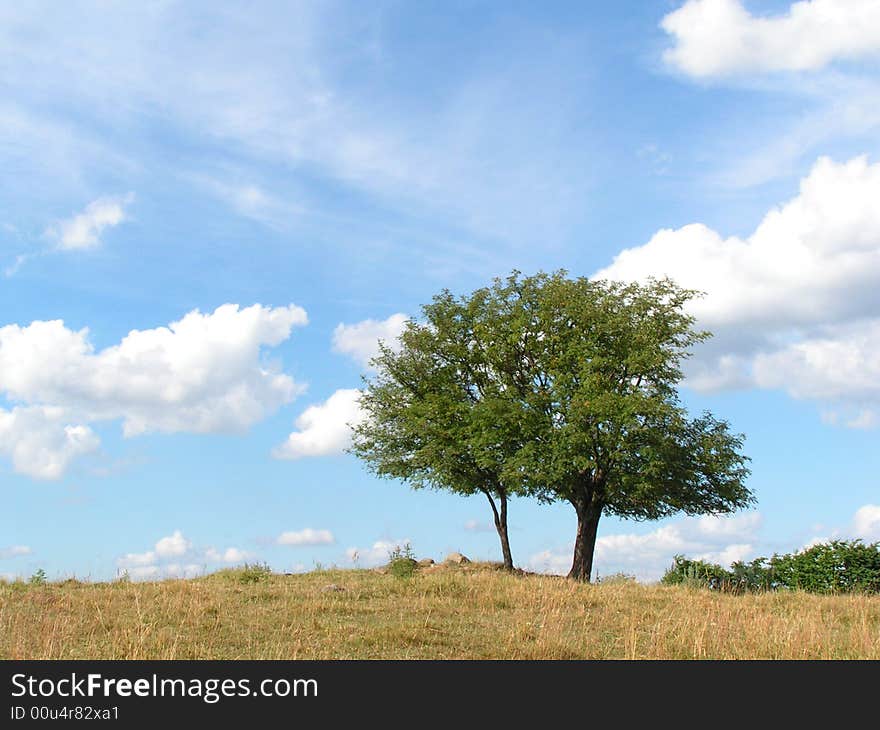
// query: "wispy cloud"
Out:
[14,551]
[83,230]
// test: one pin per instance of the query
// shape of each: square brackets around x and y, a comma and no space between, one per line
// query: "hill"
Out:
[471,612]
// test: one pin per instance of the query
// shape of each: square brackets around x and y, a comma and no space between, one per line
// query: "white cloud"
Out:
[361,340]
[721,37]
[794,304]
[136,560]
[308,536]
[813,541]
[793,269]
[42,441]
[142,572]
[201,374]
[83,231]
[172,556]
[157,572]
[229,555]
[840,366]
[14,267]
[174,545]
[324,429]
[864,525]
[182,570]
[14,551]
[377,554]
[250,200]
[718,539]
[866,522]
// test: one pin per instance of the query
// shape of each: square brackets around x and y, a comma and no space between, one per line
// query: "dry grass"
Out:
[470,613]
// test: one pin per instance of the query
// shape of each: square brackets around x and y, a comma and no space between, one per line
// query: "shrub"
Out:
[836,567]
[402,561]
[38,578]
[697,573]
[253,573]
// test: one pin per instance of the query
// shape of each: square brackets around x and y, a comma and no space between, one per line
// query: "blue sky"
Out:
[208,218]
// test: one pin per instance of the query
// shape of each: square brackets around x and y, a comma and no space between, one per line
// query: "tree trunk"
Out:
[501,527]
[585,543]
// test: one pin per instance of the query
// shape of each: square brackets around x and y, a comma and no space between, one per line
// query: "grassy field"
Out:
[468,612]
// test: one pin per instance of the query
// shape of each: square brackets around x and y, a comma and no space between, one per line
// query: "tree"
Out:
[436,411]
[592,374]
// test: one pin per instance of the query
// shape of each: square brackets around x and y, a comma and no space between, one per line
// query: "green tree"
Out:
[609,434]
[563,389]
[436,412]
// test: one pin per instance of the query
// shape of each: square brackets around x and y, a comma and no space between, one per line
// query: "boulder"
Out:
[426,562]
[456,559]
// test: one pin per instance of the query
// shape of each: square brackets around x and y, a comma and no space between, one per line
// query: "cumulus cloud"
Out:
[83,231]
[721,37]
[230,555]
[360,341]
[308,536]
[839,366]
[136,560]
[866,522]
[793,305]
[719,539]
[864,525]
[174,556]
[201,374]
[169,570]
[41,441]
[173,546]
[323,429]
[14,551]
[377,553]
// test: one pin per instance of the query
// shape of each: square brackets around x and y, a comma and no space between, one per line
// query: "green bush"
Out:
[835,567]
[402,561]
[253,573]
[38,578]
[697,573]
[839,566]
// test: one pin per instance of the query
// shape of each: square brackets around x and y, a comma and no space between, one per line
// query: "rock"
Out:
[425,562]
[456,558]
[333,588]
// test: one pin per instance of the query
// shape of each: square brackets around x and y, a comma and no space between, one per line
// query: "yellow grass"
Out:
[470,613]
